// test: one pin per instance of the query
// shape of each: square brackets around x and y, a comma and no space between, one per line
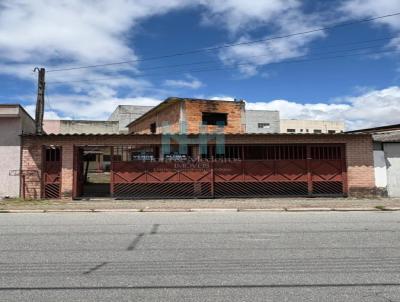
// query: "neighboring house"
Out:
[125,114]
[185,115]
[14,121]
[311,126]
[80,127]
[386,158]
[262,121]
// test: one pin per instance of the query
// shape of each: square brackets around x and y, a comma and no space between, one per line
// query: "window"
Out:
[52,154]
[307,130]
[331,131]
[317,131]
[263,125]
[301,130]
[153,128]
[214,118]
[290,130]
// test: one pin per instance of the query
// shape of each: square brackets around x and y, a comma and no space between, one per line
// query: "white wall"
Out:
[380,169]
[9,155]
[392,153]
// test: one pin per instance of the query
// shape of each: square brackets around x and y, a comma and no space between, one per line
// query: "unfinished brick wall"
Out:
[235,118]
[359,155]
[189,113]
[168,115]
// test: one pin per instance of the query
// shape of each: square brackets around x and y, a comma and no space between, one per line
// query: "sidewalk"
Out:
[195,205]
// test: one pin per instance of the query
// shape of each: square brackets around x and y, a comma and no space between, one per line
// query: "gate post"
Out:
[112,172]
[212,178]
[309,174]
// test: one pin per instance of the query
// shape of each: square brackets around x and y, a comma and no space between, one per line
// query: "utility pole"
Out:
[40,101]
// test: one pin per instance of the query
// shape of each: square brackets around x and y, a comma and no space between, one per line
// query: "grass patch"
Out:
[382,208]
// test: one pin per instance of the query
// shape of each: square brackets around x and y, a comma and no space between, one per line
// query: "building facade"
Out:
[311,126]
[251,165]
[14,121]
[179,115]
[386,158]
[262,121]
[125,114]
[80,127]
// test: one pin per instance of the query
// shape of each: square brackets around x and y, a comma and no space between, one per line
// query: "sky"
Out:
[184,48]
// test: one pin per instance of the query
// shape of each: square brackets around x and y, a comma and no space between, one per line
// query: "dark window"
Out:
[331,131]
[153,128]
[53,154]
[214,118]
[290,130]
[317,131]
[263,125]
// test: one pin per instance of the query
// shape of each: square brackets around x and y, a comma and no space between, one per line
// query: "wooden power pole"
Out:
[40,101]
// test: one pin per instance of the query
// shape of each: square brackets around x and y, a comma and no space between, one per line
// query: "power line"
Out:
[214,61]
[338,25]
[229,68]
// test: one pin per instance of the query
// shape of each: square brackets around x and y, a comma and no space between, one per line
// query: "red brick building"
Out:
[252,165]
[179,115]
[191,148]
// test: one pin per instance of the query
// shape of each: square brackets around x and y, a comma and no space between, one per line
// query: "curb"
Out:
[391,209]
[309,209]
[356,209]
[163,210]
[262,210]
[203,210]
[116,210]
[214,210]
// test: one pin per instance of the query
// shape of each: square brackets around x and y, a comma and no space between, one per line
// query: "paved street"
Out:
[237,256]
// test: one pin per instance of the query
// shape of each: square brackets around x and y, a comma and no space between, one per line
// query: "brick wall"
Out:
[359,155]
[169,114]
[189,112]
[235,118]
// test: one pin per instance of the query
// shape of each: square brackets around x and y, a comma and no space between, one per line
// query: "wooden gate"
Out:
[51,173]
[255,171]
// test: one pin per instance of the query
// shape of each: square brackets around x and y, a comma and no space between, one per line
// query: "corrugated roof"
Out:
[388,136]
[192,134]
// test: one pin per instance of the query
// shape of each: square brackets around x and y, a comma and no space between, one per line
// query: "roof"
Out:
[377,129]
[195,134]
[17,106]
[173,100]
[133,109]
[387,137]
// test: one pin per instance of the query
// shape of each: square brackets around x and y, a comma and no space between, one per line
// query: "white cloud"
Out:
[280,18]
[89,107]
[373,108]
[237,15]
[374,8]
[190,82]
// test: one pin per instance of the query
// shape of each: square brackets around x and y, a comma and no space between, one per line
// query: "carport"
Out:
[259,165]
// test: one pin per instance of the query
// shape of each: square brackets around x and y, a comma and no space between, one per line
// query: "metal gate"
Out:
[51,173]
[255,171]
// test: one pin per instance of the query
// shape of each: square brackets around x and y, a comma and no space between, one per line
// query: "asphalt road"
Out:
[349,256]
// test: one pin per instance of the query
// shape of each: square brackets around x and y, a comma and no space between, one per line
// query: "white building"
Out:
[14,121]
[311,126]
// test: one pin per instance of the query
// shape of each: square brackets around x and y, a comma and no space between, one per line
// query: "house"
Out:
[186,148]
[180,115]
[124,114]
[80,127]
[311,126]
[386,158]
[14,121]
[262,121]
